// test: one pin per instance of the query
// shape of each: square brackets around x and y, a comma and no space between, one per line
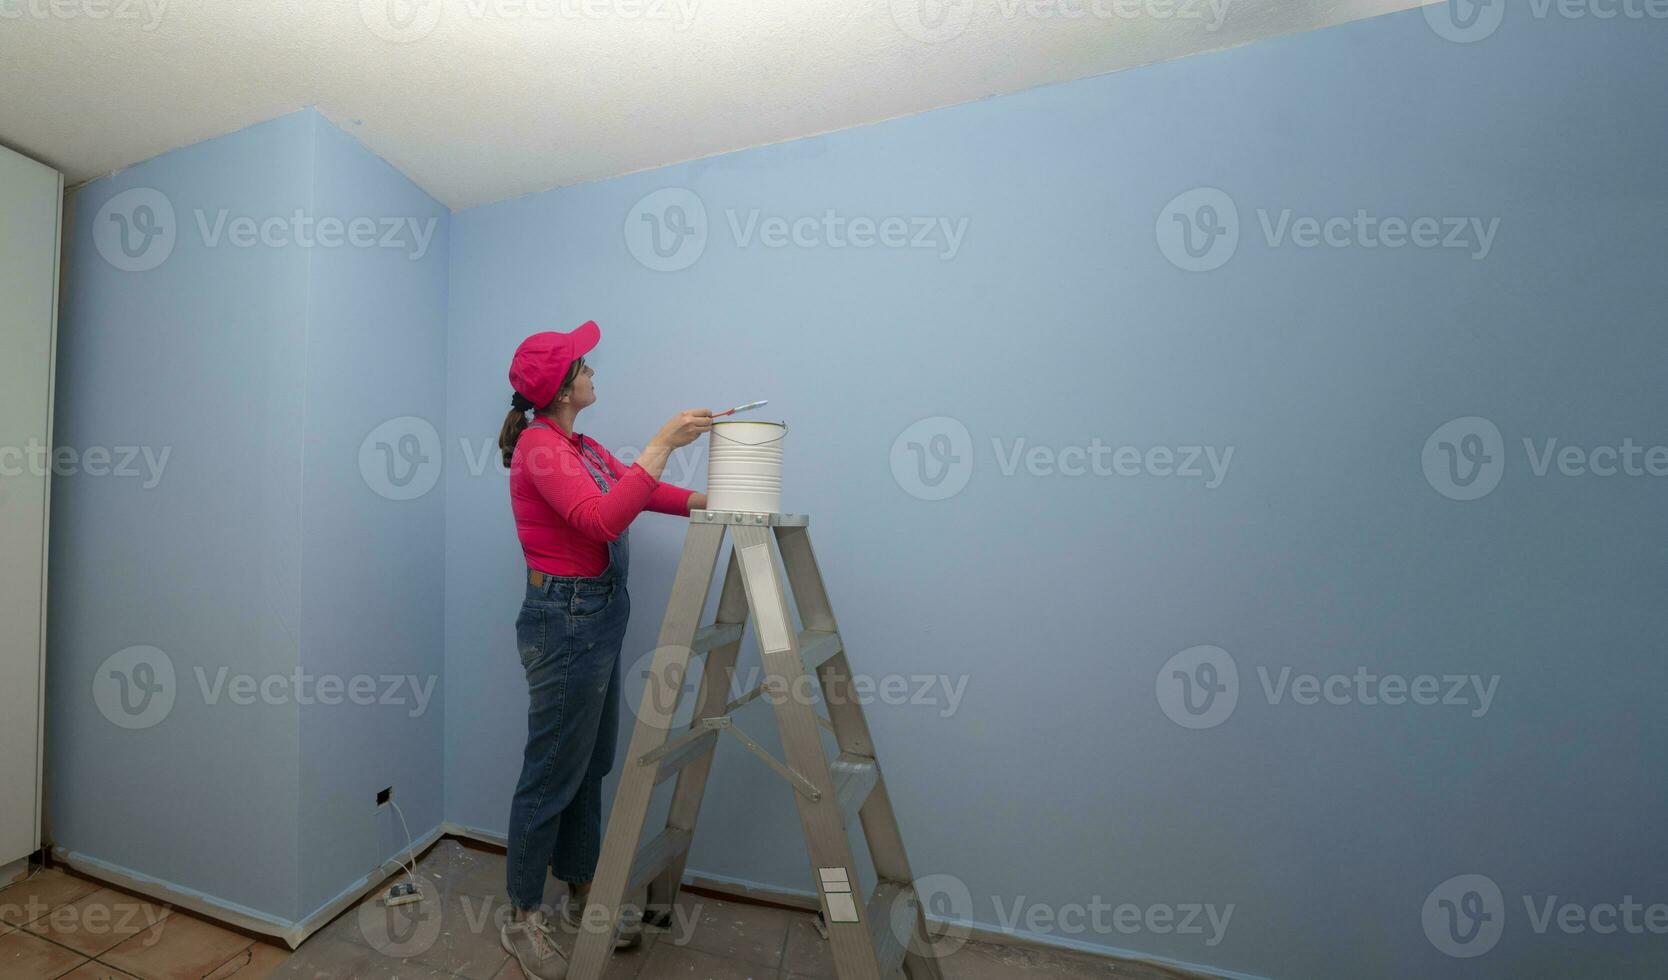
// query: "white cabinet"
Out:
[31,204]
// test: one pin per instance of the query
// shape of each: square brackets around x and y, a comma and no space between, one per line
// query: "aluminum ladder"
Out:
[870,940]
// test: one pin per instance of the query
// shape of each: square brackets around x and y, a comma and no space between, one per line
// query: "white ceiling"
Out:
[480,100]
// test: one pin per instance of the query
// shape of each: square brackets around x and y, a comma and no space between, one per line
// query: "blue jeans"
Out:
[570,631]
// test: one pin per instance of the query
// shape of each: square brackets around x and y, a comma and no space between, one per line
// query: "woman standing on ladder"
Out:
[573,503]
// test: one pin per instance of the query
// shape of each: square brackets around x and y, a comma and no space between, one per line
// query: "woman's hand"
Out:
[697,501]
[684,428]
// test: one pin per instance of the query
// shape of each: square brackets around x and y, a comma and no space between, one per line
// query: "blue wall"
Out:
[264,548]
[1060,779]
[372,598]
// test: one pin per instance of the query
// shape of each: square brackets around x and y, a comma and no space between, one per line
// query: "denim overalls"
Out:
[569,631]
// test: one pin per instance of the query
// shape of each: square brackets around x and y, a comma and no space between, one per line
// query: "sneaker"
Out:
[534,948]
[629,935]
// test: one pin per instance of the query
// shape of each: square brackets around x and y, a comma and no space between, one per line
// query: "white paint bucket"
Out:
[744,470]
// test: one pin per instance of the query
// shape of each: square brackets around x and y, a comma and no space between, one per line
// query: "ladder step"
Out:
[889,946]
[713,636]
[854,779]
[683,755]
[817,647]
[654,857]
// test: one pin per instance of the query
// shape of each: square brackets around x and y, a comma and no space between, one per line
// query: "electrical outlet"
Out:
[383,798]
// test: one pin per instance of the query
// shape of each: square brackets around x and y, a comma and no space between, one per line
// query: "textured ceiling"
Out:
[481,100]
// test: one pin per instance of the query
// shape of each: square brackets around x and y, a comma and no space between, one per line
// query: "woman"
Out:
[573,502]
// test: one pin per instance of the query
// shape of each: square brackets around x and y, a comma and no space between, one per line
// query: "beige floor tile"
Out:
[26,957]
[180,947]
[989,961]
[335,959]
[95,922]
[260,960]
[807,955]
[29,900]
[623,965]
[732,930]
[94,970]
[668,962]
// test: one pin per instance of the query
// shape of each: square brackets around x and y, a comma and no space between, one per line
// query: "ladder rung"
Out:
[654,858]
[889,946]
[854,779]
[817,647]
[684,754]
[714,635]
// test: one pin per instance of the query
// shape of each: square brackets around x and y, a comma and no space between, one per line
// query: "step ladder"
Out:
[869,942]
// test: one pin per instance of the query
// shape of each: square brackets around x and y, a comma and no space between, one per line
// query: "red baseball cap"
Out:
[542,361]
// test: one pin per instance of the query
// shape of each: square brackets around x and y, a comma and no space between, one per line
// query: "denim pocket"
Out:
[529,633]
[589,600]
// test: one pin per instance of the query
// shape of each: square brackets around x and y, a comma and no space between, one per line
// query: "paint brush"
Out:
[742,408]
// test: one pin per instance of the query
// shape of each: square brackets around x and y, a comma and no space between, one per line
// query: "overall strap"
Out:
[587,454]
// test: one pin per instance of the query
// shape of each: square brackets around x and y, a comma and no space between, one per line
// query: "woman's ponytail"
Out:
[515,424]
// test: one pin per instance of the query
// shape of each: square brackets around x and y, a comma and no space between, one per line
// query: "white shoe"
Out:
[534,948]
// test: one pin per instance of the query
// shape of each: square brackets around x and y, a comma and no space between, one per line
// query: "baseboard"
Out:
[740,889]
[755,892]
[290,933]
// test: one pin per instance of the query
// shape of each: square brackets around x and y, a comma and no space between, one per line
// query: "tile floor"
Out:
[63,925]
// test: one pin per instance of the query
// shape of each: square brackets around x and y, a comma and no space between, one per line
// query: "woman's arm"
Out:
[560,477]
[667,498]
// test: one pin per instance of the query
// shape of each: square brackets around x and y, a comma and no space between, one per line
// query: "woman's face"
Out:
[584,392]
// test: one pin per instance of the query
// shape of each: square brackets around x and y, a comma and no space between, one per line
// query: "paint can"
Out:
[744,470]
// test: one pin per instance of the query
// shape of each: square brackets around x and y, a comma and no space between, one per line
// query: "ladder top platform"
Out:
[748,518]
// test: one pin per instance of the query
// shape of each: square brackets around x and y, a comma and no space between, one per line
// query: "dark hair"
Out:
[515,423]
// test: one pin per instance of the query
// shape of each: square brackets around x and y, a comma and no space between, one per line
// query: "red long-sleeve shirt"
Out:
[564,521]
